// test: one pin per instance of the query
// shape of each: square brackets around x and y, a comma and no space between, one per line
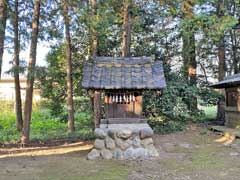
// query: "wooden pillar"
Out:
[97,108]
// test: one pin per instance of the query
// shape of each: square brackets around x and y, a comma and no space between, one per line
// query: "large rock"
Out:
[118,154]
[100,133]
[128,154]
[135,132]
[152,151]
[106,154]
[112,133]
[146,132]
[109,142]
[99,144]
[94,154]
[123,144]
[139,153]
[146,142]
[136,142]
[124,133]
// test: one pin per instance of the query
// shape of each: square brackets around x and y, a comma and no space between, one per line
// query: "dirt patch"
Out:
[188,155]
[45,150]
[36,143]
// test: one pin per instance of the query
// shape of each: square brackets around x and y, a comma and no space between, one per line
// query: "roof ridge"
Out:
[123,60]
[232,76]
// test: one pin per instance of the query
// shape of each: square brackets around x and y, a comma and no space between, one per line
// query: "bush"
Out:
[209,96]
[169,111]
[165,126]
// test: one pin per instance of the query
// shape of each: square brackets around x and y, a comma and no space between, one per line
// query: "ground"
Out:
[187,155]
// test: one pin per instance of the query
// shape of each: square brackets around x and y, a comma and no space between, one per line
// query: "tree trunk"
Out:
[189,58]
[94,43]
[70,105]
[126,36]
[221,59]
[234,51]
[221,75]
[30,75]
[97,108]
[189,55]
[221,64]
[18,101]
[188,51]
[3,19]
[96,97]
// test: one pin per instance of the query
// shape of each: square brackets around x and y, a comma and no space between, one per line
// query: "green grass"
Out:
[210,112]
[45,127]
[8,132]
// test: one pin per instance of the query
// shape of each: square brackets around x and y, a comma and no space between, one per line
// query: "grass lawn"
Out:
[45,127]
[210,112]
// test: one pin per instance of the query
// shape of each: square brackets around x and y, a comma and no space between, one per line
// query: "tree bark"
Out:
[18,101]
[70,105]
[30,75]
[188,37]
[189,58]
[94,43]
[126,36]
[221,59]
[3,19]
[188,51]
[96,97]
[221,64]
[234,51]
[97,108]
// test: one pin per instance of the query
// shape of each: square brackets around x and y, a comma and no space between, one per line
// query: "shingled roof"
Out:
[229,81]
[123,73]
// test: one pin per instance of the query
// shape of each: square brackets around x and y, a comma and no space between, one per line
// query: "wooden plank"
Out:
[123,121]
[138,106]
[97,108]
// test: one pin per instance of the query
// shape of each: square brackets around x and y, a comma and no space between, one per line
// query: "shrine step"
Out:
[123,121]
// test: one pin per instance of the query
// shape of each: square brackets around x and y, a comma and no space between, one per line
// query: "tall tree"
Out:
[96,97]
[30,75]
[70,105]
[3,19]
[126,35]
[188,49]
[18,101]
[189,55]
[94,36]
[221,43]
[221,61]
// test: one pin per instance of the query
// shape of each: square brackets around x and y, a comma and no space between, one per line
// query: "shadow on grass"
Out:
[47,150]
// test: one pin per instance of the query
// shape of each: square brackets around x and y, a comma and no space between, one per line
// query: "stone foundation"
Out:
[123,143]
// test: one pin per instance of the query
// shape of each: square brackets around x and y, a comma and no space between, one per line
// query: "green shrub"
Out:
[209,96]
[165,126]
[169,111]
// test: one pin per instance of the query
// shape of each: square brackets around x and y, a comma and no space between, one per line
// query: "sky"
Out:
[42,51]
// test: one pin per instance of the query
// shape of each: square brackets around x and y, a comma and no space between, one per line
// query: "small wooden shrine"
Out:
[123,80]
[231,84]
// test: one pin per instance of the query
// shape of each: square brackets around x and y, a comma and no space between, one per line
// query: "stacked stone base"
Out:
[123,144]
